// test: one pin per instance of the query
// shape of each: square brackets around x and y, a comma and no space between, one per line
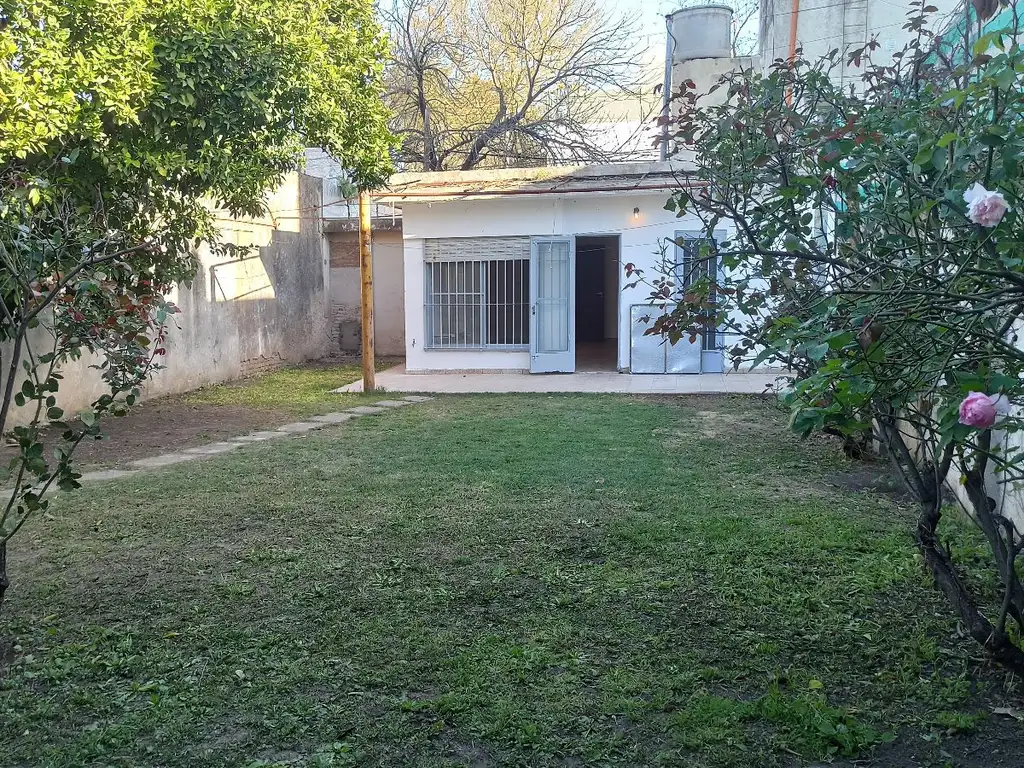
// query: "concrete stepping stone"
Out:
[256,437]
[333,418]
[163,460]
[300,426]
[105,474]
[213,448]
[297,427]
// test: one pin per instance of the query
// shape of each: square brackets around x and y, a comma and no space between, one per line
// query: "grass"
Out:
[482,581]
[301,391]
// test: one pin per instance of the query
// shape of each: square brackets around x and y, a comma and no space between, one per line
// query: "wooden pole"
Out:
[794,25]
[366,291]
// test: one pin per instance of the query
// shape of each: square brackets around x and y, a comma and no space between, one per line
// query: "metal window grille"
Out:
[473,302]
[692,265]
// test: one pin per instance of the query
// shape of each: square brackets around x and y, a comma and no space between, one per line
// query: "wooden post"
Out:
[366,291]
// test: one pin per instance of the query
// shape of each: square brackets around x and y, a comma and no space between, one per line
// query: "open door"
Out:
[552,305]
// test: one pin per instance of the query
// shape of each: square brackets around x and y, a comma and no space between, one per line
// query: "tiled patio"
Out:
[397,380]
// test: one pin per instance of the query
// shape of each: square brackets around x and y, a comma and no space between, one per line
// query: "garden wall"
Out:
[240,316]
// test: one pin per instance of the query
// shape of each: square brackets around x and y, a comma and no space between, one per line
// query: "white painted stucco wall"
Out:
[642,240]
[239,316]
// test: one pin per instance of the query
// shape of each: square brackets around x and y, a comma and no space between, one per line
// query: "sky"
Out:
[650,16]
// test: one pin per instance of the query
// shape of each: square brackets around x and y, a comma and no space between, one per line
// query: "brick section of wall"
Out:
[344,249]
[257,366]
[345,328]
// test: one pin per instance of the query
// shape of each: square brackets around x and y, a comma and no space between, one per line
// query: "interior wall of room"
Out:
[612,280]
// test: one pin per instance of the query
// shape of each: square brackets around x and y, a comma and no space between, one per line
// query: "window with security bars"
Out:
[477,303]
[695,261]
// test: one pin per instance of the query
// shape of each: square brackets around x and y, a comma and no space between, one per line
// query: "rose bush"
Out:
[877,252]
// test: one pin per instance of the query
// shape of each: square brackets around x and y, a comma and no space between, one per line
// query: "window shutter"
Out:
[476,249]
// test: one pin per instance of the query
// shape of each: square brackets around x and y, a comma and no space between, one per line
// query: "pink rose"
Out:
[984,207]
[980,410]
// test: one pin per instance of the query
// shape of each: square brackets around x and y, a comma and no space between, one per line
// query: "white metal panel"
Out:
[652,353]
[684,356]
[646,352]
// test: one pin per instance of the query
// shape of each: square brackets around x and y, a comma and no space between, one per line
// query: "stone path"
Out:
[234,443]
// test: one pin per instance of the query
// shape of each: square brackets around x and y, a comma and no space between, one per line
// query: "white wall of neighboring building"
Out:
[643,240]
[335,186]
[825,25]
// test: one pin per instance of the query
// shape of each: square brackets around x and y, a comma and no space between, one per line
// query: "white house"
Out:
[523,269]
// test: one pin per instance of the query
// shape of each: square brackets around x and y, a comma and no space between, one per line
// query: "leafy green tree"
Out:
[123,123]
[878,253]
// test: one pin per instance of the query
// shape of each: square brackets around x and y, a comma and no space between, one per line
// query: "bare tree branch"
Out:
[481,82]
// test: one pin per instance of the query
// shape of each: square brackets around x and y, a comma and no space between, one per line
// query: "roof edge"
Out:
[544,172]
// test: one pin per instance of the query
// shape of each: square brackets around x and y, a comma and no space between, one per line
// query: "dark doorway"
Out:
[597,287]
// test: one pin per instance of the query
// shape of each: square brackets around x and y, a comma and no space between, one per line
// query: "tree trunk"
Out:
[998,644]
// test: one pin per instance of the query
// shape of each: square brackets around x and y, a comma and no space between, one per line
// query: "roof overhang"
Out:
[614,178]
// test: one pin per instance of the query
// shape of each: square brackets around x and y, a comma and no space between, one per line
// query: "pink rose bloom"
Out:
[981,410]
[984,207]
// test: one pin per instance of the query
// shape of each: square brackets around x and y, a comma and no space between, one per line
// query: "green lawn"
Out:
[483,581]
[300,390]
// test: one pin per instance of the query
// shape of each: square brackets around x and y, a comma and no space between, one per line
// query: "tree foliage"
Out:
[122,122]
[857,262]
[489,82]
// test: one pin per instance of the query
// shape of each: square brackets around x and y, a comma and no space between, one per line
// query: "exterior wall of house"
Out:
[240,316]
[644,239]
[389,293]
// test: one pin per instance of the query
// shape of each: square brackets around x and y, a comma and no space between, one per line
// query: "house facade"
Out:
[524,269]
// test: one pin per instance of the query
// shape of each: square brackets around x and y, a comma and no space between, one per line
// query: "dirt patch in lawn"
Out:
[214,413]
[870,477]
[995,743]
[163,425]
